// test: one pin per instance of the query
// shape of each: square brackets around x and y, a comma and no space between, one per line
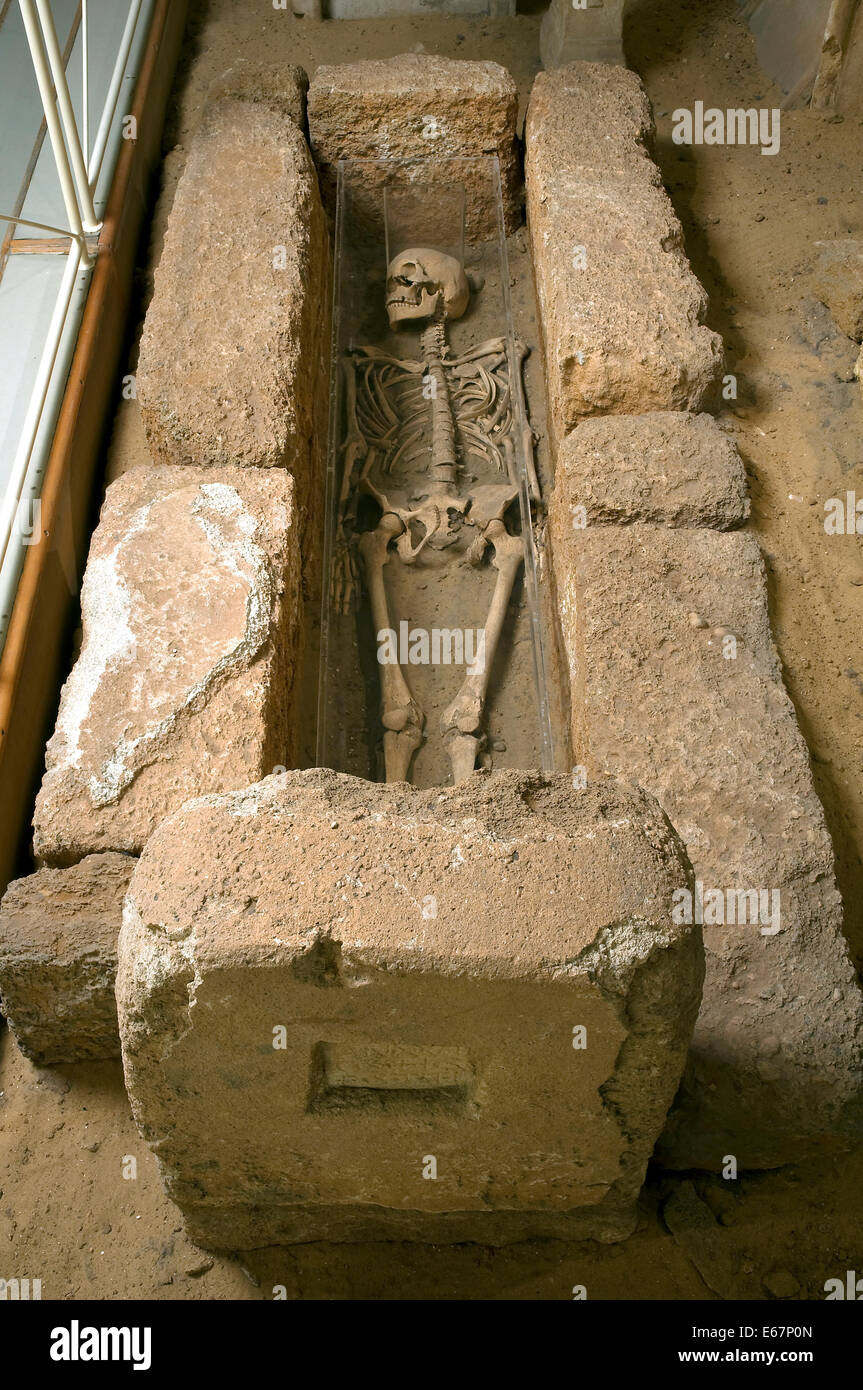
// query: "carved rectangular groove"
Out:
[389,1076]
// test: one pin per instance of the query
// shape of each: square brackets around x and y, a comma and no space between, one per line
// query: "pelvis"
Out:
[437,519]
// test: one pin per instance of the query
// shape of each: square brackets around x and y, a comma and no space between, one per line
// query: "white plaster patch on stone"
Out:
[156,969]
[105,598]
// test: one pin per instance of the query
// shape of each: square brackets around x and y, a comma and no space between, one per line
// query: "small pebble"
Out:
[781,1284]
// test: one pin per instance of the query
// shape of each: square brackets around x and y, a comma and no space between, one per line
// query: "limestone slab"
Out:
[191,613]
[235,338]
[420,106]
[677,686]
[670,467]
[58,959]
[622,313]
[351,1010]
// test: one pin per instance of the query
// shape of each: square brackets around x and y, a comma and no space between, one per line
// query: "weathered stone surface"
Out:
[324,983]
[191,616]
[58,959]
[590,33]
[676,686]
[622,313]
[839,283]
[234,342]
[419,106]
[669,467]
[277,84]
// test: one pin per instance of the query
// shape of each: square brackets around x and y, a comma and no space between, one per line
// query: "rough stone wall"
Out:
[230,368]
[675,682]
[661,699]
[622,313]
[192,600]
[405,975]
[419,106]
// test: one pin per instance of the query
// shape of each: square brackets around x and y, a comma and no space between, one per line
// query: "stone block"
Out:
[235,342]
[58,959]
[622,314]
[356,1011]
[669,467]
[283,85]
[676,686]
[591,32]
[419,106]
[191,613]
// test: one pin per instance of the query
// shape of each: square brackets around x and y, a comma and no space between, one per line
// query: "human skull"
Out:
[419,281]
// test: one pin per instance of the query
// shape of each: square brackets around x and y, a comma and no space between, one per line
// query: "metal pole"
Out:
[104,130]
[85,82]
[43,227]
[30,425]
[70,127]
[52,120]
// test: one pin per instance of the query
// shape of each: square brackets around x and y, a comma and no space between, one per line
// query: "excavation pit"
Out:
[433,651]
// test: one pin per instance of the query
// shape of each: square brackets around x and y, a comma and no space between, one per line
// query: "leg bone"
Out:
[460,722]
[401,716]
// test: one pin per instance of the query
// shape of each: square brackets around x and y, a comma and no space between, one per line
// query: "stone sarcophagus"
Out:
[352,1011]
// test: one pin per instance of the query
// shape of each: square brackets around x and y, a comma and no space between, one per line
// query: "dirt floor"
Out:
[67,1213]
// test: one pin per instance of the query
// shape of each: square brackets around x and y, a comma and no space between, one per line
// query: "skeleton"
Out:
[469,400]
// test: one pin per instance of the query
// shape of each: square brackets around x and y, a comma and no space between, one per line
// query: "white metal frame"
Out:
[78,169]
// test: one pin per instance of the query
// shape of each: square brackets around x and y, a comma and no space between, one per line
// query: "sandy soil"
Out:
[67,1214]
